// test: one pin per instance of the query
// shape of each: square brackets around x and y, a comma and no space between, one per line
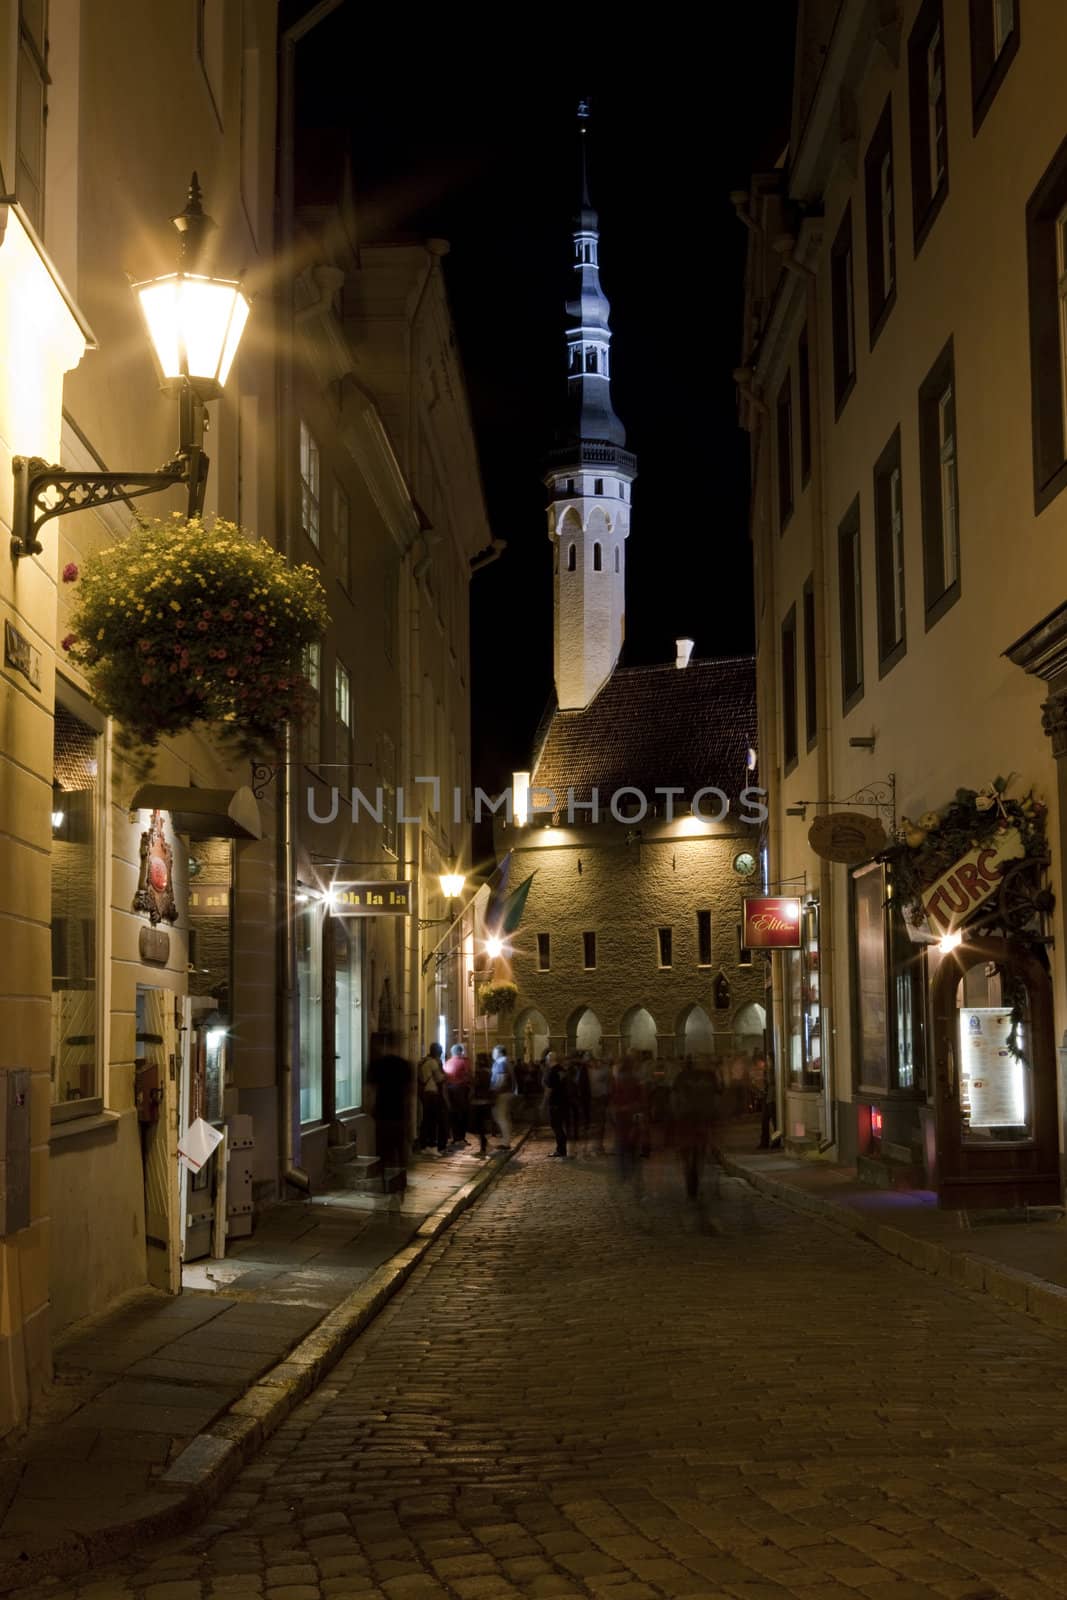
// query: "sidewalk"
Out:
[160,1401]
[1022,1262]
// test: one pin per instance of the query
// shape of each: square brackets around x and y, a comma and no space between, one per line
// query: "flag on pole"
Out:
[513,907]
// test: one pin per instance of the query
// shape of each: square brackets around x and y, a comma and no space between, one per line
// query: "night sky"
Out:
[472,138]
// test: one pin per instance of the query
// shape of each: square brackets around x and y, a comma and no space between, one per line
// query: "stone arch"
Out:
[599,524]
[532,1035]
[638,1031]
[694,1032]
[749,1023]
[584,1031]
[570,524]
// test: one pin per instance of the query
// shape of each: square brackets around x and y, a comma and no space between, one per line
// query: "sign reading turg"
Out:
[772,922]
[376,898]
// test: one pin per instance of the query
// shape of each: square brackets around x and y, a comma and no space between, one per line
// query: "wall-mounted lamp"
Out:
[452,884]
[195,323]
[950,942]
[863,741]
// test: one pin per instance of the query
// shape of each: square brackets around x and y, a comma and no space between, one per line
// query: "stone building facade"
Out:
[905,409]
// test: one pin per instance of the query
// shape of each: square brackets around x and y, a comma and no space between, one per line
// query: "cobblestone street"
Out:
[586,1394]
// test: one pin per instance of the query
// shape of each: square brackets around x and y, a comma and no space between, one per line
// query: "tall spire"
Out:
[591,415]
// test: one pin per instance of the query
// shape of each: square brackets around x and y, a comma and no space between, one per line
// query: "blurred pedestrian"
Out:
[433,1125]
[458,1073]
[570,1074]
[481,1100]
[627,1108]
[390,1080]
[696,1100]
[599,1094]
[503,1086]
[584,1092]
[556,1102]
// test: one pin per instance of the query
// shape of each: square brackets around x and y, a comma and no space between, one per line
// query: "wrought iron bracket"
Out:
[44,491]
[880,796]
[262,776]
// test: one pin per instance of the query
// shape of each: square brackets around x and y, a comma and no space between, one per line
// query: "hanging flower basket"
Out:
[497,998]
[182,623]
[927,848]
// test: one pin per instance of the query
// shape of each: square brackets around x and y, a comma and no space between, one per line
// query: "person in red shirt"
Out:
[458,1073]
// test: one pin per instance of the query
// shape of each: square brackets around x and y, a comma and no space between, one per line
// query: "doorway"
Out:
[156,1097]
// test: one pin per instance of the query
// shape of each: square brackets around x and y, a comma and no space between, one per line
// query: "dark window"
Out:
[616,559]
[598,559]
[544,952]
[804,385]
[572,558]
[881,223]
[31,109]
[576,358]
[939,479]
[811,719]
[850,601]
[789,689]
[889,556]
[589,951]
[590,358]
[744,954]
[570,485]
[843,311]
[598,486]
[994,42]
[929,127]
[784,411]
[1046,240]
[666,946]
[703,938]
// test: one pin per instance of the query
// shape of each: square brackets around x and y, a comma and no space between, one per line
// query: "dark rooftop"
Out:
[690,728]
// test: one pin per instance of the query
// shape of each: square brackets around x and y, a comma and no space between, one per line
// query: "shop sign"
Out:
[771,922]
[950,901]
[847,836]
[374,899]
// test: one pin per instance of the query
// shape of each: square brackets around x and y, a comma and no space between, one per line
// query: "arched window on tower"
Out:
[616,559]
[575,358]
[598,562]
[572,558]
[604,362]
[590,358]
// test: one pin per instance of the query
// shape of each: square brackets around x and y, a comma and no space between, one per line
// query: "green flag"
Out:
[513,907]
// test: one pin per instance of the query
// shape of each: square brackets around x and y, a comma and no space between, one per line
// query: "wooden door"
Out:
[158,1053]
[997,1131]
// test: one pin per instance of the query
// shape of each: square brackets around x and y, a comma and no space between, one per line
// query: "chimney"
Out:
[684,648]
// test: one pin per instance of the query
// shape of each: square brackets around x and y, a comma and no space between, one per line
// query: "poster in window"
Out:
[992,1076]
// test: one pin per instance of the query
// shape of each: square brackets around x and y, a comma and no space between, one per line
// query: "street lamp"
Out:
[452,885]
[195,322]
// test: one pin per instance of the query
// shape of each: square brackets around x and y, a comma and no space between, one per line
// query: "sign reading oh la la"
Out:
[377,898]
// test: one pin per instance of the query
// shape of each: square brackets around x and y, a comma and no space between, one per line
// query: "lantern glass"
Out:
[452,885]
[195,325]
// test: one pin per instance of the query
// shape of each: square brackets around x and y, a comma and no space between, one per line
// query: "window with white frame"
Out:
[889,555]
[928,117]
[309,484]
[1003,25]
[75,872]
[311,664]
[342,536]
[938,467]
[31,109]
[935,94]
[946,438]
[342,742]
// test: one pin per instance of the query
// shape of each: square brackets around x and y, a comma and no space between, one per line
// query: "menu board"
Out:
[992,1077]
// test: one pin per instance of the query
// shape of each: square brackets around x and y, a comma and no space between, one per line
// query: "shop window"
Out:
[803,1008]
[784,437]
[994,44]
[75,872]
[544,952]
[1046,239]
[811,682]
[311,730]
[31,109]
[804,387]
[996,1089]
[881,224]
[210,898]
[309,485]
[703,938]
[889,556]
[589,951]
[789,689]
[928,119]
[843,312]
[342,536]
[850,606]
[665,945]
[309,988]
[939,484]
[887,990]
[347,934]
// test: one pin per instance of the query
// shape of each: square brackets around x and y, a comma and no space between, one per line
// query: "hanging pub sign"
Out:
[376,898]
[771,922]
[949,902]
[847,836]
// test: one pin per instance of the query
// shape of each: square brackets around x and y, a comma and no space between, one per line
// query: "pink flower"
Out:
[231,672]
[202,627]
[67,640]
[146,677]
[70,572]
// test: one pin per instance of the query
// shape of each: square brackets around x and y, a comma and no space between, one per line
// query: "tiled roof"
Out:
[688,727]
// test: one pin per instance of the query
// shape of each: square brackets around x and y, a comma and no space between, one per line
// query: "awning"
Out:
[203,813]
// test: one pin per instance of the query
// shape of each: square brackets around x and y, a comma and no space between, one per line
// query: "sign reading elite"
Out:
[771,922]
[377,898]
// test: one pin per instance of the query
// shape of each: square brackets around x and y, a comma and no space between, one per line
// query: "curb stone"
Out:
[1023,1291]
[213,1458]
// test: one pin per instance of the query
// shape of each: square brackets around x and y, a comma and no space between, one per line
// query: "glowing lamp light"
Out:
[877,1122]
[58,818]
[494,946]
[452,884]
[195,324]
[520,798]
[950,942]
[214,1037]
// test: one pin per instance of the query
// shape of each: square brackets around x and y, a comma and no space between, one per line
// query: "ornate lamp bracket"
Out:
[43,491]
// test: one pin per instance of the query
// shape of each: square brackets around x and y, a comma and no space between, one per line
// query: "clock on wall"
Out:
[745,864]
